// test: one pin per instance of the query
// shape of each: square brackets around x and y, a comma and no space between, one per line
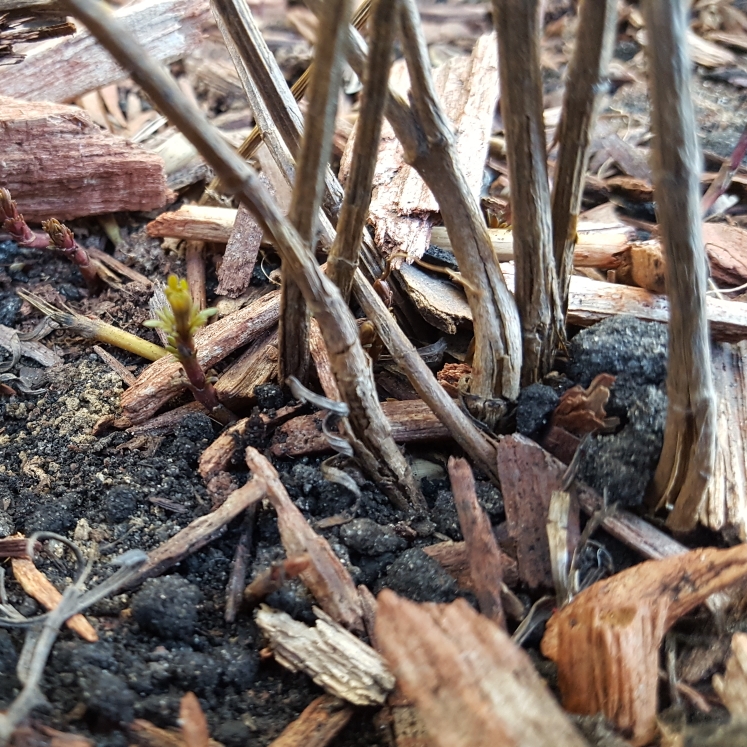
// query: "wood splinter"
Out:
[606,641]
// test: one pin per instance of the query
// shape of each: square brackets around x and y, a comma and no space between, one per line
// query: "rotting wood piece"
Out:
[472,686]
[606,641]
[688,454]
[485,561]
[410,421]
[201,531]
[57,162]
[319,723]
[40,588]
[160,381]
[235,272]
[333,657]
[326,577]
[66,70]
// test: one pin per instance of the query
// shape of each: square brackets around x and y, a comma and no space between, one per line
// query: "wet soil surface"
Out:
[112,493]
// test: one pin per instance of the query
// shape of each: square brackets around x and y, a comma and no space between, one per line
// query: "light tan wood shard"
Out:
[162,380]
[64,70]
[334,658]
[40,588]
[319,723]
[321,361]
[326,577]
[193,722]
[606,641]
[598,243]
[402,206]
[732,686]
[411,421]
[196,223]
[471,685]
[725,507]
[58,163]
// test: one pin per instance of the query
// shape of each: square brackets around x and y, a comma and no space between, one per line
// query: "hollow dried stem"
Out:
[536,285]
[374,446]
[587,72]
[688,454]
[343,256]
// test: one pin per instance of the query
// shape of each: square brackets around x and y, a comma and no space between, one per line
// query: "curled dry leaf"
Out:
[732,687]
[582,410]
[606,641]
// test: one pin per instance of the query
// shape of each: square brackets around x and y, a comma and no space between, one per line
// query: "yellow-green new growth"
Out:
[181,318]
[179,321]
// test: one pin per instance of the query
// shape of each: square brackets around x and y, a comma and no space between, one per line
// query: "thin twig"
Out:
[536,285]
[689,451]
[237,577]
[374,446]
[725,174]
[343,256]
[587,73]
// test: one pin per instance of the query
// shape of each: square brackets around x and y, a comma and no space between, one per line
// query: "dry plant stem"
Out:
[428,144]
[688,454]
[374,446]
[319,126]
[486,567]
[536,285]
[257,135]
[343,256]
[586,76]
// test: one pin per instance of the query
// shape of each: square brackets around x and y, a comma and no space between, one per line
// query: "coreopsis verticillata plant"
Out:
[180,321]
[12,222]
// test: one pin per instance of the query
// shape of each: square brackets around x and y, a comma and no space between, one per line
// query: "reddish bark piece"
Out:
[411,421]
[319,723]
[217,455]
[450,375]
[321,360]
[486,567]
[581,410]
[528,480]
[273,578]
[58,163]
[471,685]
[326,577]
[606,641]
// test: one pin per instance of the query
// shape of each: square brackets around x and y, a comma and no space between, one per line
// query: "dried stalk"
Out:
[374,446]
[257,135]
[428,144]
[725,174]
[536,285]
[343,256]
[688,454]
[497,358]
[586,75]
[324,87]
